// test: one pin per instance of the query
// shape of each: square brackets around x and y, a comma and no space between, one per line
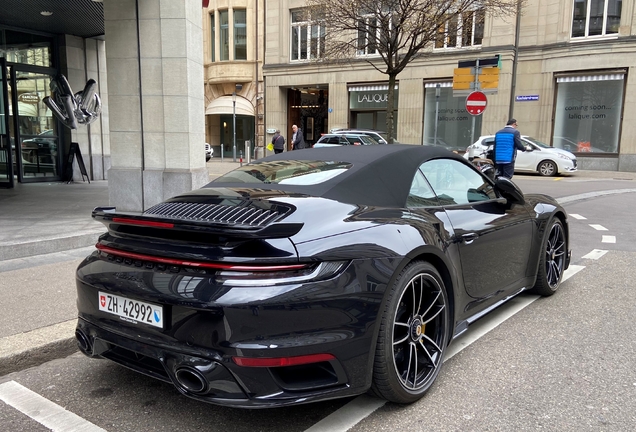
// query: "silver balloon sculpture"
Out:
[82,107]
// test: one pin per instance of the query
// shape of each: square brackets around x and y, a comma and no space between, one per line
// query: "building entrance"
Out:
[29,141]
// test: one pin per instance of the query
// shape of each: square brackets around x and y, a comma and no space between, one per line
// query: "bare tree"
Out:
[390,34]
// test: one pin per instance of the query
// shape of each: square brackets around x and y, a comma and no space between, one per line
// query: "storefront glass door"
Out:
[6,159]
[33,126]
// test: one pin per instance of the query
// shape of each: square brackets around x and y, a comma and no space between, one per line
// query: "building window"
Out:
[368,35]
[224,36]
[452,126]
[463,30]
[596,17]
[212,37]
[307,38]
[240,34]
[588,113]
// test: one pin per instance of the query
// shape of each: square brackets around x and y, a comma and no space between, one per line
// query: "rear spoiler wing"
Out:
[228,226]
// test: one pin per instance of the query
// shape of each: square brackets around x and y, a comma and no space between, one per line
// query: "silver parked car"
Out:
[338,139]
[378,136]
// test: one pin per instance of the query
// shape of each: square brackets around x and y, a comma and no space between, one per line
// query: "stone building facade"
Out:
[565,73]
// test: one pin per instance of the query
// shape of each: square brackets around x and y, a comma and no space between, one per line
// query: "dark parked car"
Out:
[315,274]
[335,140]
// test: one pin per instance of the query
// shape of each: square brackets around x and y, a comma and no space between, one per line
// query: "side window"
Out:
[456,183]
[421,194]
[334,140]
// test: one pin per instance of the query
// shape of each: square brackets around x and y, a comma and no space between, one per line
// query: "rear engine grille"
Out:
[218,213]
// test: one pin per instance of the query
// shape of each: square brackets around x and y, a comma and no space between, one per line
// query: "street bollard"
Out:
[241,158]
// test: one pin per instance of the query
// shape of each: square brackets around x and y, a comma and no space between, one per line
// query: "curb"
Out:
[21,351]
[12,250]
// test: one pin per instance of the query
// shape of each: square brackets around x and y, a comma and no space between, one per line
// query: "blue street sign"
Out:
[527,98]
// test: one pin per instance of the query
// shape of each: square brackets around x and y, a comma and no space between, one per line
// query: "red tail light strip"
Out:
[200,264]
[282,361]
[143,223]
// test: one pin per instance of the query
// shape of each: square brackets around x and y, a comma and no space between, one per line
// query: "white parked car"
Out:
[543,159]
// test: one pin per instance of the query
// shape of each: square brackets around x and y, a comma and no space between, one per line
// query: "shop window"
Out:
[462,30]
[588,113]
[453,124]
[596,18]
[307,37]
[240,34]
[26,48]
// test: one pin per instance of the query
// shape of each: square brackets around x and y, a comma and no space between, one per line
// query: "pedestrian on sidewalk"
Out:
[278,141]
[507,142]
[298,142]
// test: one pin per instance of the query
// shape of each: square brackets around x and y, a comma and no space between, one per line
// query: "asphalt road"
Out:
[564,363]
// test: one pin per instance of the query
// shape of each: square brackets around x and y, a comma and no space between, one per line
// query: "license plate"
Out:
[132,311]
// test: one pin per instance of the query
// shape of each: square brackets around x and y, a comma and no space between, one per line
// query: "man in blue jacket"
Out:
[507,142]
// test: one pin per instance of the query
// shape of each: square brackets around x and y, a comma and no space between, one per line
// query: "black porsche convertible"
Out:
[315,274]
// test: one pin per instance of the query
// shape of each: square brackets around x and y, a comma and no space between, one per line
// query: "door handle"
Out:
[469,238]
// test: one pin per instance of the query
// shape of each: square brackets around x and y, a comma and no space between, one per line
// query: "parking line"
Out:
[361,407]
[598,227]
[595,254]
[44,411]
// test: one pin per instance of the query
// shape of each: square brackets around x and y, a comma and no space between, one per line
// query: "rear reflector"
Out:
[282,361]
[199,264]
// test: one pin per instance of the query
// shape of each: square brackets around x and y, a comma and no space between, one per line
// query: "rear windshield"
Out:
[292,172]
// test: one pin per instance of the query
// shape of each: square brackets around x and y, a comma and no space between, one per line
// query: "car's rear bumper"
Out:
[211,377]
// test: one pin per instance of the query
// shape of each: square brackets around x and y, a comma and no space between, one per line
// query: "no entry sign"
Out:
[476,103]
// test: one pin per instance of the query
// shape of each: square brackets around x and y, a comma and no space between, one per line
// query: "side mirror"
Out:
[507,189]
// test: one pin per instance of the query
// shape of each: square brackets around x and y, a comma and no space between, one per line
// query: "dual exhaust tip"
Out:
[188,378]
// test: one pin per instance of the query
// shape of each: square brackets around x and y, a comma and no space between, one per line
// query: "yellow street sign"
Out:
[489,85]
[489,78]
[462,85]
[463,79]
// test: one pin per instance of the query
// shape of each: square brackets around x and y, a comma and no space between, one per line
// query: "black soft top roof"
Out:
[380,176]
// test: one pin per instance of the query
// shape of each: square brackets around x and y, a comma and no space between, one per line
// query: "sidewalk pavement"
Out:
[46,230]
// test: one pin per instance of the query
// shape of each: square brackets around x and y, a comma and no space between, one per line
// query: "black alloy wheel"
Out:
[414,333]
[547,168]
[552,260]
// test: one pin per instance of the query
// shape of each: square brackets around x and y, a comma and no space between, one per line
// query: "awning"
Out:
[223,105]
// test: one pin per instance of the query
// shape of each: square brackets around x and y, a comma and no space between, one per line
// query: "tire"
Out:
[553,252]
[547,168]
[414,333]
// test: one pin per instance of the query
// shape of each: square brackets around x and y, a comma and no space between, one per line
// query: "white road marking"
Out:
[577,216]
[598,227]
[595,254]
[361,407]
[349,415]
[608,239]
[43,410]
[498,316]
